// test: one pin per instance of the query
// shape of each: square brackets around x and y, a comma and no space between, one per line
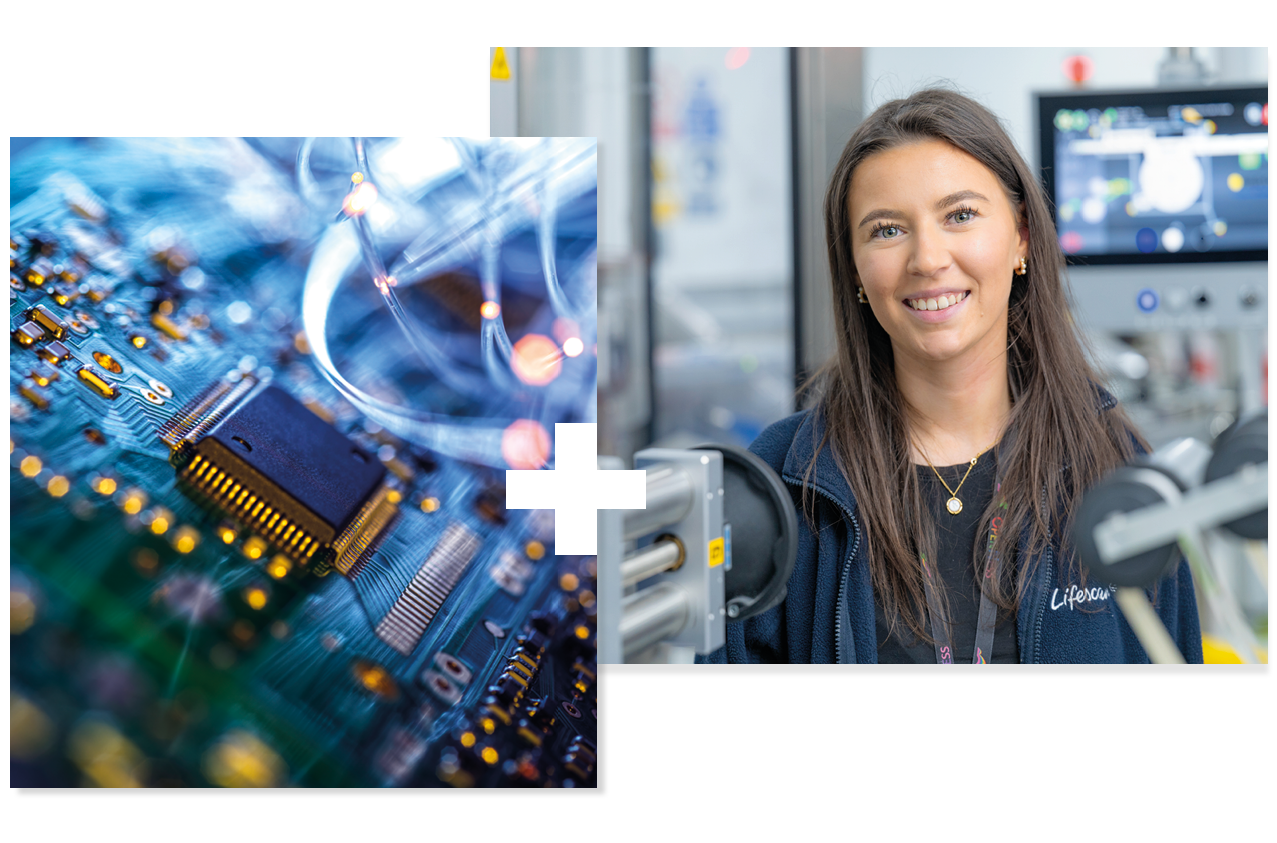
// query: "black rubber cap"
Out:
[1243,443]
[764,527]
[1121,491]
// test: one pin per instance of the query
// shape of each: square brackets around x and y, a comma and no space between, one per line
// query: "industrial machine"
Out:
[716,543]
[1132,527]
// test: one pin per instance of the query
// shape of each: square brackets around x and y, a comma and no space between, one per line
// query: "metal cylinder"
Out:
[652,615]
[665,554]
[669,497]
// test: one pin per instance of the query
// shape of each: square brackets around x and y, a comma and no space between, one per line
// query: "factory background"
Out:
[713,283]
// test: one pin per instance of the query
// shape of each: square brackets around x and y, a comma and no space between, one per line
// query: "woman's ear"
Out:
[1022,219]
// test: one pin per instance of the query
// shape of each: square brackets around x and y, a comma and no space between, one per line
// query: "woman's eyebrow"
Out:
[880,214]
[960,196]
[952,198]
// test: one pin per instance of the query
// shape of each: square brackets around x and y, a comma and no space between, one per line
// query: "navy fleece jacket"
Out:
[828,614]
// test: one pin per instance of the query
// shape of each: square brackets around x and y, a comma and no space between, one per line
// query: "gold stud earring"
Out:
[860,295]
[1024,267]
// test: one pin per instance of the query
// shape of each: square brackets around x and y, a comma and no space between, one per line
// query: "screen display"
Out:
[1158,176]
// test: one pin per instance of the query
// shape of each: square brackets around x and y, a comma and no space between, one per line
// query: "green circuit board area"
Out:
[377,618]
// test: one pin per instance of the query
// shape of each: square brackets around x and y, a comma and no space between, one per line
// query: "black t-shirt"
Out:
[955,538]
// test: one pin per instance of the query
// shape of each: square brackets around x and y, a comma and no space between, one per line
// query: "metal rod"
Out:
[652,615]
[1148,626]
[664,555]
[669,497]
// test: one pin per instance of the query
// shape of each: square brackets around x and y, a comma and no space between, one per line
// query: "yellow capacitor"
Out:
[168,326]
[32,393]
[48,320]
[95,381]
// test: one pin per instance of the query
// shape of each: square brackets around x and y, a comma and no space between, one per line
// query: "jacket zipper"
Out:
[846,569]
[1036,643]
[842,586]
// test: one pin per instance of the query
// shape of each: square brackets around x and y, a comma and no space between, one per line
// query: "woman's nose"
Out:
[930,253]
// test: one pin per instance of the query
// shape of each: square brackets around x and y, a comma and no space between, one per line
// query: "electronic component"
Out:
[28,334]
[511,573]
[55,352]
[453,668]
[42,375]
[39,271]
[168,326]
[404,624]
[264,459]
[442,686]
[537,722]
[97,383]
[63,294]
[506,693]
[580,759]
[490,504]
[30,391]
[48,320]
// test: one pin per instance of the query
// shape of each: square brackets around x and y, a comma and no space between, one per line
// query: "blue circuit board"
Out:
[166,634]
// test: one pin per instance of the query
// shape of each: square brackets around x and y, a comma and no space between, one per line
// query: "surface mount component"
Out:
[261,457]
[406,622]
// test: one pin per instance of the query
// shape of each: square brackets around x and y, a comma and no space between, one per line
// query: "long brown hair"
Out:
[1058,442]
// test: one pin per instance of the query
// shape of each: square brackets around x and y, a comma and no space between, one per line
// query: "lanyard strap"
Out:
[988,619]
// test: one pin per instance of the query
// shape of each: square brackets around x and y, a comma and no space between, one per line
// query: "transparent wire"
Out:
[513,191]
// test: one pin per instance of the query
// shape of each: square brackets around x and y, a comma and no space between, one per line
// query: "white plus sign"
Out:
[576,490]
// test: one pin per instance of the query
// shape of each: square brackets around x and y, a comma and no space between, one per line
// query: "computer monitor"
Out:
[1160,200]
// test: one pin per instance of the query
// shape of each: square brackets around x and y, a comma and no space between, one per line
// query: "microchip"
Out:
[288,475]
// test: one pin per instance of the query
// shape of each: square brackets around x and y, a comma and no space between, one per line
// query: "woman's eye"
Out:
[965,215]
[887,231]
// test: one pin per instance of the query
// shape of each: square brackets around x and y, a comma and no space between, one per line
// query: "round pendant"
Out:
[954,506]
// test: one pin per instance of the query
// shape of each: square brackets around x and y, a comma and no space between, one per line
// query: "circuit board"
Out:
[223,573]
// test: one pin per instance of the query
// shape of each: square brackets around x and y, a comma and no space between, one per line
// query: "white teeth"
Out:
[938,303]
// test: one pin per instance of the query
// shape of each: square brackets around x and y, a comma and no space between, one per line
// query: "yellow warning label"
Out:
[500,69]
[717,552]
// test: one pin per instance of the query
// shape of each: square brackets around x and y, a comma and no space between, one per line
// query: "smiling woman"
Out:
[956,427]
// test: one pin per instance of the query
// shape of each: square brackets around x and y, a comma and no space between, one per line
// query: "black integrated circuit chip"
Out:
[275,441]
[268,462]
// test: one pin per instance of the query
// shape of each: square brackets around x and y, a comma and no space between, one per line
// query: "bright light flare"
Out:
[572,346]
[490,310]
[525,445]
[241,759]
[279,567]
[359,200]
[536,360]
[564,328]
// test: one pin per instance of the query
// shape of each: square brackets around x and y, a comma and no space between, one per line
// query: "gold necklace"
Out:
[954,505]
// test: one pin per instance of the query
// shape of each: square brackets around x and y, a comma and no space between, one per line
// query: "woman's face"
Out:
[935,242]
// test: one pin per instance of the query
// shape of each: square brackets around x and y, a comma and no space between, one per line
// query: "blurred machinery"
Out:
[716,543]
[1161,204]
[1132,527]
[263,394]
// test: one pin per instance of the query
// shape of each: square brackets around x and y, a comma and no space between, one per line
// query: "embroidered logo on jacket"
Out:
[1078,595]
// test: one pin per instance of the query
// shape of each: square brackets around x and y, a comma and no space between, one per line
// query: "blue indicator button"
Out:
[1147,300]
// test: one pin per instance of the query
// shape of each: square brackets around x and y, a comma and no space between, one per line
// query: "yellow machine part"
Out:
[1217,651]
